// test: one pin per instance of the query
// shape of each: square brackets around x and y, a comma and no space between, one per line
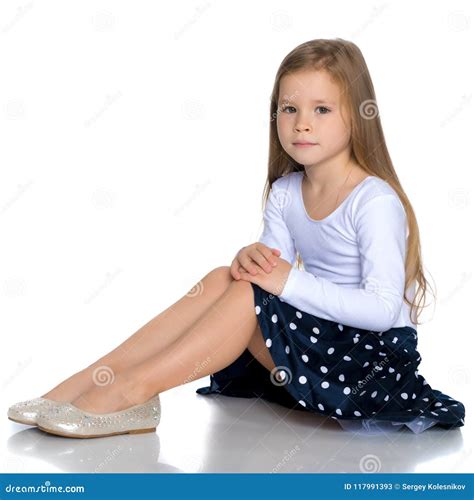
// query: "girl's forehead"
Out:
[308,85]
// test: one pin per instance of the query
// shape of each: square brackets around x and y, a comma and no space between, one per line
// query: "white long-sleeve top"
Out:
[354,259]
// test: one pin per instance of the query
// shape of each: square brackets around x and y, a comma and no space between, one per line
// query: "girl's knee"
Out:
[221,274]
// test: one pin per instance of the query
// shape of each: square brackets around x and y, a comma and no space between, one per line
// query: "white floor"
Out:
[222,434]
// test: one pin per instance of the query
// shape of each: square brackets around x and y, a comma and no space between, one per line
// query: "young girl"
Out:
[341,331]
[338,338]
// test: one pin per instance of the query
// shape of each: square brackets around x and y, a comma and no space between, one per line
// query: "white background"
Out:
[133,150]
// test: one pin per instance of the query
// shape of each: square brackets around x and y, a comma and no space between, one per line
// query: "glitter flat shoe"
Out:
[69,421]
[26,412]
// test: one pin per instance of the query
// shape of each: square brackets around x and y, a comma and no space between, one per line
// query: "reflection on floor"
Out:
[223,434]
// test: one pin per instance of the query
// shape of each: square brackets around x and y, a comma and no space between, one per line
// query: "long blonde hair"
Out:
[344,62]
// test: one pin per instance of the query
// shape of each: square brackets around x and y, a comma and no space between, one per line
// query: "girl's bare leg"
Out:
[259,350]
[150,339]
[213,342]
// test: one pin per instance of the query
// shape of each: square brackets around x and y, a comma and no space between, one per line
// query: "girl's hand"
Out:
[254,258]
[273,282]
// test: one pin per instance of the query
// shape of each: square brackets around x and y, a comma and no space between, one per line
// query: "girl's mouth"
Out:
[303,144]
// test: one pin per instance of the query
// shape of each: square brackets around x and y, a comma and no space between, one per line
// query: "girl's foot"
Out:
[121,394]
[72,387]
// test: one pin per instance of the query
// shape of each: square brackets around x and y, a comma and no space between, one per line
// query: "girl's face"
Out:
[310,109]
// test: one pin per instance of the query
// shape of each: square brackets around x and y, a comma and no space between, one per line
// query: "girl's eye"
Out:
[324,107]
[327,110]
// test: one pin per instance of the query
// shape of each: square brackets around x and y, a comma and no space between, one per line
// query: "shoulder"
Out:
[286,180]
[377,205]
[282,193]
[375,191]
[284,189]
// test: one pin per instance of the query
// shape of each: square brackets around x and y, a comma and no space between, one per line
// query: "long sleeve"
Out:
[380,226]
[275,232]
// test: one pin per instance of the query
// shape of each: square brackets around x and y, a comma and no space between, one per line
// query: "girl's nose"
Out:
[300,127]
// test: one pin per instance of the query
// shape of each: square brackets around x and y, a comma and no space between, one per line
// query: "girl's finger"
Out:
[269,255]
[259,258]
[248,265]
[233,269]
[246,276]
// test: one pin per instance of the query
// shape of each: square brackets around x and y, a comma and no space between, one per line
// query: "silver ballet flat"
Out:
[69,421]
[26,412]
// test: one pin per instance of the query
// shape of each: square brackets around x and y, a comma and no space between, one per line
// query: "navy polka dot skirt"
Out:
[365,380]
